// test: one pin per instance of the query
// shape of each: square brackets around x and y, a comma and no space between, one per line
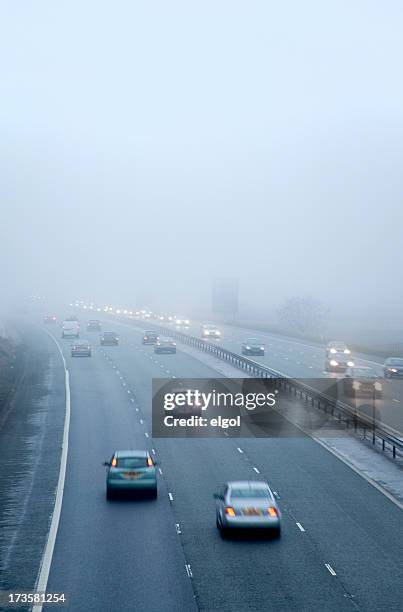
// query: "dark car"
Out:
[253,346]
[81,348]
[393,367]
[94,326]
[109,338]
[50,319]
[165,345]
[362,381]
[150,337]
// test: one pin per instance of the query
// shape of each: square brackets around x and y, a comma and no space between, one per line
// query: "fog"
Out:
[147,148]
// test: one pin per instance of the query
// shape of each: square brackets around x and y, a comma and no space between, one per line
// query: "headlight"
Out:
[333,351]
[347,351]
[187,322]
[392,370]
[333,362]
[262,348]
[350,364]
[218,333]
[356,384]
[248,347]
[378,386]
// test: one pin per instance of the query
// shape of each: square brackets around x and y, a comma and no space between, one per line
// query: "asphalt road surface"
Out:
[341,542]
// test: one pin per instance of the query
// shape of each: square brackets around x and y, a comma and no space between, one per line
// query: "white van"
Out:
[70,329]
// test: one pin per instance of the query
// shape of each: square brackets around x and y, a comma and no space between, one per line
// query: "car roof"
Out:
[247,484]
[150,331]
[131,453]
[250,340]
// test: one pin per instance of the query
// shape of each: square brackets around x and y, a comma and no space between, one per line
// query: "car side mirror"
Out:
[106,463]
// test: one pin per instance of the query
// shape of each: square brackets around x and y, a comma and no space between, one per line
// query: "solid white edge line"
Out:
[47,556]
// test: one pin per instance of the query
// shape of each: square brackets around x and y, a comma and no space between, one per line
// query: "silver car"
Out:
[247,505]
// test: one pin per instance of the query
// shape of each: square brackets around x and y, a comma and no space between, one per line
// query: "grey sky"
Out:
[184,140]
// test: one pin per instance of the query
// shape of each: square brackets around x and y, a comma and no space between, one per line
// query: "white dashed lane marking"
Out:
[300,527]
[330,569]
[256,470]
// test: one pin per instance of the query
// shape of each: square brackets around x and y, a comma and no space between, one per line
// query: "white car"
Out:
[182,321]
[70,329]
[210,331]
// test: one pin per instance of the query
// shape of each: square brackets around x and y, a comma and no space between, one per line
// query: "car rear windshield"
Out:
[244,493]
[396,362]
[131,462]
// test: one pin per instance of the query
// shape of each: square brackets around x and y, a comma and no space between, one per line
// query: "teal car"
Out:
[131,471]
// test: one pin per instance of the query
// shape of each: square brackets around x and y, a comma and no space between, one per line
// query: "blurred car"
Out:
[337,348]
[70,329]
[210,331]
[82,348]
[338,363]
[247,505]
[165,345]
[130,471]
[109,338]
[94,325]
[150,337]
[182,321]
[362,381]
[50,319]
[253,346]
[393,367]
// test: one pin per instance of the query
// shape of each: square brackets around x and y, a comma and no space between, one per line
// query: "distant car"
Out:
[182,321]
[82,348]
[210,331]
[70,329]
[247,505]
[94,325]
[253,346]
[362,381]
[165,345]
[336,348]
[338,363]
[393,367]
[130,471]
[50,319]
[109,338]
[150,337]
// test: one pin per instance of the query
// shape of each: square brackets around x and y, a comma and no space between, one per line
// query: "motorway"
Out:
[342,538]
[295,358]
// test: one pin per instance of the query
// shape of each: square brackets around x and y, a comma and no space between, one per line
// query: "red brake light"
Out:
[230,511]
[272,511]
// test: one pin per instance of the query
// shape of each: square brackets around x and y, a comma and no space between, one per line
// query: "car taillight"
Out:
[230,511]
[150,462]
[272,511]
[114,462]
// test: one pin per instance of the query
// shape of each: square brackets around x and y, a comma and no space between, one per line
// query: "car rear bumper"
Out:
[132,485]
[253,352]
[81,354]
[244,522]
